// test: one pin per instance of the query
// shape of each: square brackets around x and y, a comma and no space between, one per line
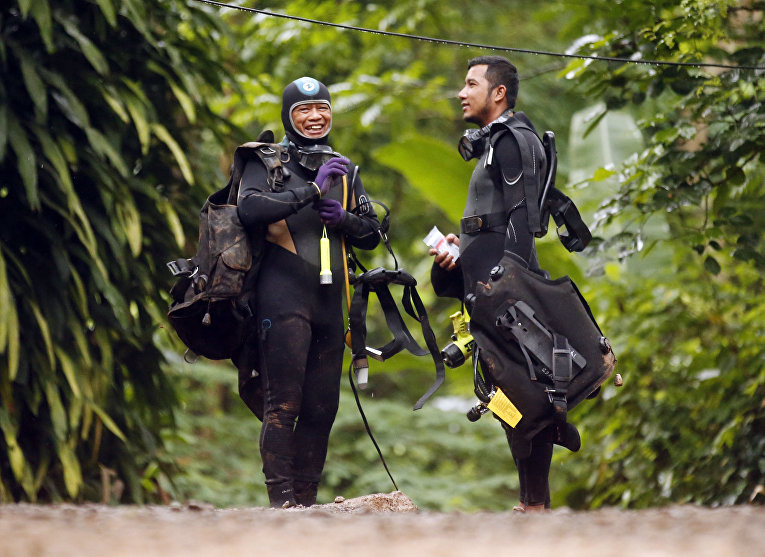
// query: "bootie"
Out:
[305,493]
[281,495]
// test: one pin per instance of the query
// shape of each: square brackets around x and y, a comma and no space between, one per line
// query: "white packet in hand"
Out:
[436,240]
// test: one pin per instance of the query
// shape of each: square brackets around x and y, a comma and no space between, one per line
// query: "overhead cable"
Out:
[482,46]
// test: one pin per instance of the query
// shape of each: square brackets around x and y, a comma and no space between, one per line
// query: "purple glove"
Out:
[336,166]
[330,211]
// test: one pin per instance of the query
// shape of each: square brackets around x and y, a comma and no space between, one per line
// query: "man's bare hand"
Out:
[444,259]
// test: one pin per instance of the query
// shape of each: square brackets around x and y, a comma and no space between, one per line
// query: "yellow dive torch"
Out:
[325,275]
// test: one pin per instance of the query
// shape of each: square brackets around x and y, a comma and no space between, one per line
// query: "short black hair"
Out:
[500,71]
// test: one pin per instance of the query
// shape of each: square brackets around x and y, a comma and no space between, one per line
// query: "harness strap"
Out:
[419,313]
[574,235]
[480,223]
[530,185]
[562,369]
[377,281]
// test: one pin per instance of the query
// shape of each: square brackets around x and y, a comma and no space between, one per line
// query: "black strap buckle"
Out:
[471,225]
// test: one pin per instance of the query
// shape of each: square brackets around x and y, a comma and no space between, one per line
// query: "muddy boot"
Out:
[305,493]
[281,495]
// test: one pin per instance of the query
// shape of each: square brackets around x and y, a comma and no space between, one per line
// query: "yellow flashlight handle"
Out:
[325,275]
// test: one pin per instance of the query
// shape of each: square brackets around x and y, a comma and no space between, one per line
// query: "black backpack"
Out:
[211,307]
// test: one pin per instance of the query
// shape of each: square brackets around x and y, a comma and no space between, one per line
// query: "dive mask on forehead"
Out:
[311,157]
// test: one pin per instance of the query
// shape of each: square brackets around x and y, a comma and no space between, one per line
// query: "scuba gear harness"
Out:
[210,307]
[377,281]
[538,344]
[572,231]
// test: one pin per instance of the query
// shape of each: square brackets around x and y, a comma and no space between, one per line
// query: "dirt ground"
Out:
[374,525]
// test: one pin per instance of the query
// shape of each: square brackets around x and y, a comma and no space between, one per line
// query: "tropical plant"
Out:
[103,116]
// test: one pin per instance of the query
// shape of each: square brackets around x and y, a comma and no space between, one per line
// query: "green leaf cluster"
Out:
[103,115]
[680,255]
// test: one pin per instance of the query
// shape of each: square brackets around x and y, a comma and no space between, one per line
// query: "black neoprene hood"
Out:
[303,90]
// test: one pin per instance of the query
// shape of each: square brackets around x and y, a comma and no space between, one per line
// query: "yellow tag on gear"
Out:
[506,410]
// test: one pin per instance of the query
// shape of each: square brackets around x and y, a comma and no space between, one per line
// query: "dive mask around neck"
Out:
[311,157]
[471,144]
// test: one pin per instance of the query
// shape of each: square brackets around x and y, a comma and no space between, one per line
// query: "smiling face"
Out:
[312,120]
[480,103]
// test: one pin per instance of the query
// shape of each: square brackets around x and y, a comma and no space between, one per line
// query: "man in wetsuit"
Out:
[497,219]
[298,319]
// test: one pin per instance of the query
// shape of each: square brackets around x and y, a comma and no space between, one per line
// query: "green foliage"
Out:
[685,310]
[102,116]
[113,117]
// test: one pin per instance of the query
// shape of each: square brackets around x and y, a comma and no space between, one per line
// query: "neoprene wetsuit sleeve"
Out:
[518,238]
[257,205]
[447,284]
[361,229]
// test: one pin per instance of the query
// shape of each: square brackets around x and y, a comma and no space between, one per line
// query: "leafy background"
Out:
[118,117]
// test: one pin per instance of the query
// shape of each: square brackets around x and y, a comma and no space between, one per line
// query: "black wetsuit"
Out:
[300,322]
[480,252]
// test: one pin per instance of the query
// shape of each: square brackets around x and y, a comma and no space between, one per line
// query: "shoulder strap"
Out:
[273,156]
[528,162]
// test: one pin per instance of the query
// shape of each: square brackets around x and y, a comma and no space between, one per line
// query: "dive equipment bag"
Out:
[539,343]
[210,299]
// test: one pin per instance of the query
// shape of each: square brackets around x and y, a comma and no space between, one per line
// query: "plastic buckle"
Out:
[174,268]
[473,224]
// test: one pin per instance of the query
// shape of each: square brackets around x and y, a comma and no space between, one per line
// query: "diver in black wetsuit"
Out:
[495,221]
[299,320]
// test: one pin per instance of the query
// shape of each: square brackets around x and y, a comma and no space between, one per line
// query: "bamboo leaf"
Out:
[25,160]
[138,19]
[57,412]
[107,8]
[42,324]
[103,147]
[128,216]
[71,468]
[34,84]
[24,6]
[56,158]
[174,221]
[88,49]
[115,103]
[185,100]
[9,322]
[3,129]
[161,132]
[70,371]
[107,421]
[137,113]
[69,103]
[19,465]
[41,15]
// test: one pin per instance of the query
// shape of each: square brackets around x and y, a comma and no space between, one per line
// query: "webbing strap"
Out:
[530,186]
[377,281]
[419,313]
[562,372]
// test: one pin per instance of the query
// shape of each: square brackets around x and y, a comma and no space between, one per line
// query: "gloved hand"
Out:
[336,166]
[331,211]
